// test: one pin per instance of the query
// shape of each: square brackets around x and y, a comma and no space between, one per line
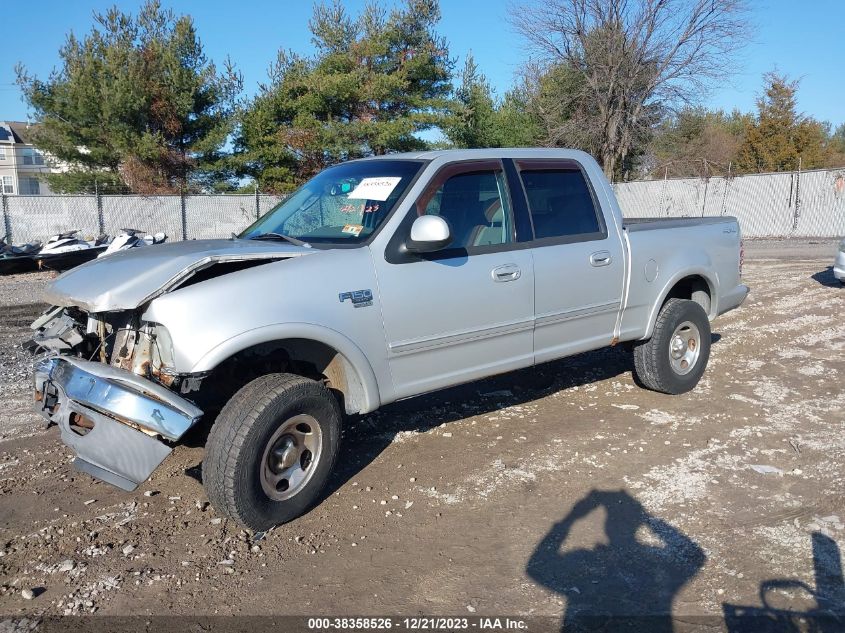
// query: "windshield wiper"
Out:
[280,236]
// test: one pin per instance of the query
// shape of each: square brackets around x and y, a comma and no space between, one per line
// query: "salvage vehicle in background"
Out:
[839,263]
[380,279]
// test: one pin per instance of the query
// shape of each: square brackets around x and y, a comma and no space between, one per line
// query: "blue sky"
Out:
[804,40]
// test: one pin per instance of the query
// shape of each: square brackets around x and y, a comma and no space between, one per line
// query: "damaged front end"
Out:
[106,381]
[110,378]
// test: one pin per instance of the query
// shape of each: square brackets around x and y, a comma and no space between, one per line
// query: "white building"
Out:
[21,165]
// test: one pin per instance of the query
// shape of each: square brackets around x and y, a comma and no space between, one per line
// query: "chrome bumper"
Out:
[110,417]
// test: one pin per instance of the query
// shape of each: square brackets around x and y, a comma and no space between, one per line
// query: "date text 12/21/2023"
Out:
[418,623]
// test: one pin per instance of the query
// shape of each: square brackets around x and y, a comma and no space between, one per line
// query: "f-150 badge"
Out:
[359,298]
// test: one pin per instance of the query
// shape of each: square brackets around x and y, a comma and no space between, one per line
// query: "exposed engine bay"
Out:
[119,339]
[106,381]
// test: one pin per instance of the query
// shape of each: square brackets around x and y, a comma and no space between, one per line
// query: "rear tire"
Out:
[674,358]
[271,450]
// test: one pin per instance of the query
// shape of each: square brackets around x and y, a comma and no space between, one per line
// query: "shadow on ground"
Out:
[627,583]
[828,615]
[365,437]
[825,278]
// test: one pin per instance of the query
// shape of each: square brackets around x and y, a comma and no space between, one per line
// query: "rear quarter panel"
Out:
[661,257]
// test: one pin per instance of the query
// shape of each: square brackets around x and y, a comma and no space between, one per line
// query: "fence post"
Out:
[257,204]
[101,221]
[184,213]
[7,222]
[725,191]
[797,211]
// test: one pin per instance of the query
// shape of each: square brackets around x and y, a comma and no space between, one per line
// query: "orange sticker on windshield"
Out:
[352,229]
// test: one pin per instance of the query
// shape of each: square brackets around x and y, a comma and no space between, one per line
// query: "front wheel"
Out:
[272,449]
[675,357]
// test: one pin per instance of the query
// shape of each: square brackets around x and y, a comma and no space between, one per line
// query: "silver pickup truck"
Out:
[380,279]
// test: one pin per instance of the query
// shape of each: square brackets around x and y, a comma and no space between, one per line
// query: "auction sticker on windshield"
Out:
[352,229]
[375,188]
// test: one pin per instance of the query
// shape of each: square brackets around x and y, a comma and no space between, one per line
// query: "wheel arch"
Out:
[692,284]
[333,356]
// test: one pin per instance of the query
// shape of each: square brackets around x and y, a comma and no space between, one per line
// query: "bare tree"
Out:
[635,58]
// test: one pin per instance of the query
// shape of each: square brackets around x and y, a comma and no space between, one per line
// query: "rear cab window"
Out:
[560,202]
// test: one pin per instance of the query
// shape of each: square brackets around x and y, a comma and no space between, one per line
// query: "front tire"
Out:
[271,450]
[674,358]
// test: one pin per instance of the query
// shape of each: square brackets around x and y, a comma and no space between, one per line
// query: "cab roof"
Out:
[492,152]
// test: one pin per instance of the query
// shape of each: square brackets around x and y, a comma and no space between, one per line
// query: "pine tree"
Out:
[472,123]
[136,105]
[780,135]
[374,84]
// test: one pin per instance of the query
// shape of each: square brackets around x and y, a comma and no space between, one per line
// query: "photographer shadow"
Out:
[626,584]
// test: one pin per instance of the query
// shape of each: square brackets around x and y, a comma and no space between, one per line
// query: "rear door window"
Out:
[561,204]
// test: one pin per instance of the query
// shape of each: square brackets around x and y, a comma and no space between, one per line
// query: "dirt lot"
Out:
[552,492]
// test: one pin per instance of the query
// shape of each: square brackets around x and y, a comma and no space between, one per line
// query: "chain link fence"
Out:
[28,218]
[787,204]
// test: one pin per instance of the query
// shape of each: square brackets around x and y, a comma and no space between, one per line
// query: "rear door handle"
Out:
[508,272]
[600,258]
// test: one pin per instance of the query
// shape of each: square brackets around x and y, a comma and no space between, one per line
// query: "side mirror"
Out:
[428,233]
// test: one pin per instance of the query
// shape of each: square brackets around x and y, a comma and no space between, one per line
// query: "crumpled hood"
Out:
[128,279]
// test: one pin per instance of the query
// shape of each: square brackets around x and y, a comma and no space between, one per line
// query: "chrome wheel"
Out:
[684,347]
[291,456]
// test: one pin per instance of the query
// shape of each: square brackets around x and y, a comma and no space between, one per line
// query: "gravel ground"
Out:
[561,490]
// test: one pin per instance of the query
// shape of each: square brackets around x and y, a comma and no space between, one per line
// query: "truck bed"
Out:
[650,224]
[707,249]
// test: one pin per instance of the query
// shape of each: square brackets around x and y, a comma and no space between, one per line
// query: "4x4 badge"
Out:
[359,298]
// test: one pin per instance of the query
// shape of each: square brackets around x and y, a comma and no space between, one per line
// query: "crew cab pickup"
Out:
[379,279]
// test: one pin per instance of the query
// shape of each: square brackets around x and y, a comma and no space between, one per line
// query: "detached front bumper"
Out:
[111,417]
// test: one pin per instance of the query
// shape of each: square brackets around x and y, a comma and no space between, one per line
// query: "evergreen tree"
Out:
[375,82]
[780,135]
[136,105]
[472,123]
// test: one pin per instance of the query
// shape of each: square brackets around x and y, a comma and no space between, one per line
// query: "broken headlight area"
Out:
[62,331]
[119,339]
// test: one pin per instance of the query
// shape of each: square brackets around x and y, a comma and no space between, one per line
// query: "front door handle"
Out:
[600,258]
[508,272]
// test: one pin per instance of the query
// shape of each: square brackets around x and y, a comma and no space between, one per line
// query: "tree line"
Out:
[137,106]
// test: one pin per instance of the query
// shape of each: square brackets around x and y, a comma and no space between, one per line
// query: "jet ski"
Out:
[18,259]
[67,250]
[132,238]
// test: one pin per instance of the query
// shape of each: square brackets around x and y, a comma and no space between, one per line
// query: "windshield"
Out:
[345,203]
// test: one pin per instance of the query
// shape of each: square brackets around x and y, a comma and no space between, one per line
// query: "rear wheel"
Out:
[272,449]
[675,357]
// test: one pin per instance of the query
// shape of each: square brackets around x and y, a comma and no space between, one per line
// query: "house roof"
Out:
[16,132]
